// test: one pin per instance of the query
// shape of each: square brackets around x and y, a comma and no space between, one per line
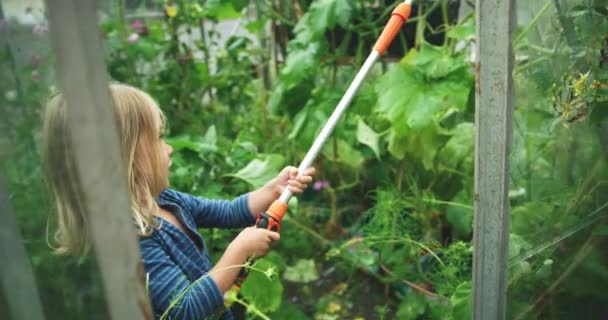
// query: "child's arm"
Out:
[261,199]
[251,242]
[169,288]
[242,211]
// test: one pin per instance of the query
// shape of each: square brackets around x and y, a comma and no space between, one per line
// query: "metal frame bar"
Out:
[495,21]
[16,276]
[82,76]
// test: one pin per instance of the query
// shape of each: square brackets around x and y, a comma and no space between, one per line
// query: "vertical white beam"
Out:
[82,76]
[493,119]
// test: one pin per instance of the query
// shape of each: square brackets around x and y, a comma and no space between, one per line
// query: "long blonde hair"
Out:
[139,122]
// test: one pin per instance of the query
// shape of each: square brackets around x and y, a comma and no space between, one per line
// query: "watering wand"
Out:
[271,219]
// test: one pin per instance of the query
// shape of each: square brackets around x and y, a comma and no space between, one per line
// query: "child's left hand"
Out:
[288,178]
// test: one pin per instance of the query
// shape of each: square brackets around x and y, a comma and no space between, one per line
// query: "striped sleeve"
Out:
[169,287]
[209,213]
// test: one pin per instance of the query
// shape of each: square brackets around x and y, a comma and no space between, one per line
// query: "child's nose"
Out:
[168,148]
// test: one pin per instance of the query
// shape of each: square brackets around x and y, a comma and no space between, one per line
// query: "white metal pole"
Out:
[311,155]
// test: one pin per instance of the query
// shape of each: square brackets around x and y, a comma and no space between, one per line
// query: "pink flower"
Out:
[133,38]
[320,185]
[140,27]
[137,24]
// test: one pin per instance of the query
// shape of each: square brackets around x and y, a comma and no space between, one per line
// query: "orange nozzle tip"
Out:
[398,18]
[277,210]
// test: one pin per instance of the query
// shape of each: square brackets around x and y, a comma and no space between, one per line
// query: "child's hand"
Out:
[288,178]
[254,242]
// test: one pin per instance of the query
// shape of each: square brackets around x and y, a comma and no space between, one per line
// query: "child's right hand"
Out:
[254,242]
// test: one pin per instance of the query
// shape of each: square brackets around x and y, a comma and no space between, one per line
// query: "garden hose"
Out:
[271,219]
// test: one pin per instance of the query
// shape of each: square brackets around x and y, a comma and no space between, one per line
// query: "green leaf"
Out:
[211,136]
[459,151]
[309,121]
[183,142]
[256,25]
[207,143]
[422,145]
[368,137]
[412,307]
[462,32]
[266,294]
[322,15]
[303,271]
[301,64]
[259,171]
[517,245]
[461,301]
[437,62]
[220,10]
[459,217]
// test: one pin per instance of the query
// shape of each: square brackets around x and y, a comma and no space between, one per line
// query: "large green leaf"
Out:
[368,137]
[260,171]
[261,291]
[420,89]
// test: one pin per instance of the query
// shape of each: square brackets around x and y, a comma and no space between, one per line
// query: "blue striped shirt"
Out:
[173,262]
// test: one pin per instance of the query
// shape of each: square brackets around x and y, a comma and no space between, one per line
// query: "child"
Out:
[175,256]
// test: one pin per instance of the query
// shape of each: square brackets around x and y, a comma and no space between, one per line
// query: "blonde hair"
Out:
[139,122]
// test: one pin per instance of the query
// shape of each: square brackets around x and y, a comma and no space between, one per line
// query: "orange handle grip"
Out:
[277,210]
[398,18]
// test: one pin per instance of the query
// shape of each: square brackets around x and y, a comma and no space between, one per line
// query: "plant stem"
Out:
[533,22]
[205,50]
[415,286]
[444,17]
[251,309]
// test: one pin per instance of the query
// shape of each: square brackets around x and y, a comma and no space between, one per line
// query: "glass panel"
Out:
[559,174]
[69,287]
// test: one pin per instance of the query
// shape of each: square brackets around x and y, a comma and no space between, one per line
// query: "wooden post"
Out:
[16,276]
[493,119]
[82,76]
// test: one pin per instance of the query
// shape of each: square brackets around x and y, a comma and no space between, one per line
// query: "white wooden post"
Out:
[83,79]
[493,119]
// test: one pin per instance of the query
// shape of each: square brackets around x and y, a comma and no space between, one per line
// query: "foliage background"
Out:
[385,231]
